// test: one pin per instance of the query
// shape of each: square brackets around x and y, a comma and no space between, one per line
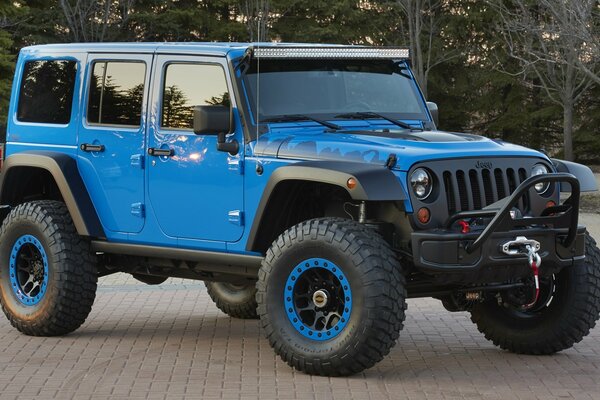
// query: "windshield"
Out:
[329,88]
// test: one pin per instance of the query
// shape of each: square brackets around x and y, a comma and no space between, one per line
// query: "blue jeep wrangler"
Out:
[307,185]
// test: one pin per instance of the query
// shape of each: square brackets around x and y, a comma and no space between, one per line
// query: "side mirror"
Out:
[211,120]
[215,120]
[433,110]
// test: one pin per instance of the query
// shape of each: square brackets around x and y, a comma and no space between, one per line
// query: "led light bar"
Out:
[338,52]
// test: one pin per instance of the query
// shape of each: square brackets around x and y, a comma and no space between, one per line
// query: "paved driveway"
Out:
[169,341]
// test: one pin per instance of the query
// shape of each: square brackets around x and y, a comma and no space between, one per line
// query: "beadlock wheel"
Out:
[318,299]
[48,273]
[28,270]
[331,297]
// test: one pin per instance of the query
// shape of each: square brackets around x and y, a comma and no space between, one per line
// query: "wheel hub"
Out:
[320,298]
[38,269]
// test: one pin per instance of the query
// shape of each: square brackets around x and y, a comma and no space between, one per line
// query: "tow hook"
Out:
[523,246]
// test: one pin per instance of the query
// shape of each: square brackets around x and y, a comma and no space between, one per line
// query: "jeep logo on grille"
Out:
[483,164]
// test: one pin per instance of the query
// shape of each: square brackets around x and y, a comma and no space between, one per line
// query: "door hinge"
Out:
[137,160]
[236,164]
[236,217]
[138,210]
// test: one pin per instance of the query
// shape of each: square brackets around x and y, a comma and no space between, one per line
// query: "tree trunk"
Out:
[568,101]
[423,83]
[568,130]
[414,17]
[418,12]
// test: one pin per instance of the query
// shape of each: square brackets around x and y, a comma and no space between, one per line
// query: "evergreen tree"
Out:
[186,20]
[462,61]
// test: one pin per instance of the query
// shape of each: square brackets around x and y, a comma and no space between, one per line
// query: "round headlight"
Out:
[421,183]
[540,169]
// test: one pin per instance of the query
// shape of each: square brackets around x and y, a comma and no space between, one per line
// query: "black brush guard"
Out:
[477,255]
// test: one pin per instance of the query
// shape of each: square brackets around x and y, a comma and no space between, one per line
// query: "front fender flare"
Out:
[374,183]
[63,169]
[587,179]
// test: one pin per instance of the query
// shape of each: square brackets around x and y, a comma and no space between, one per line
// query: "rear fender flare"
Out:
[63,169]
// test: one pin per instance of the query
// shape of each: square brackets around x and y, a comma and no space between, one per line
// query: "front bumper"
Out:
[477,257]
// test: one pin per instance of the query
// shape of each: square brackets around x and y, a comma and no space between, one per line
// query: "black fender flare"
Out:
[587,180]
[63,169]
[373,183]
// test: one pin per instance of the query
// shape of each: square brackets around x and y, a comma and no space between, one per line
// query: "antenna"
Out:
[258,23]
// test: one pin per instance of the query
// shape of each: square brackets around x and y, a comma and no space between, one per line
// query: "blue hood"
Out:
[376,146]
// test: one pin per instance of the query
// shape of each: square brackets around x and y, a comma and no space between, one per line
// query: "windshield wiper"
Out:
[371,115]
[301,117]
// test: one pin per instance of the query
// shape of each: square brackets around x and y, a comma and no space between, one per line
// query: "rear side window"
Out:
[190,85]
[116,93]
[46,94]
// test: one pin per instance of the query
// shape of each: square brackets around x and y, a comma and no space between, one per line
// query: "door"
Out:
[111,138]
[196,192]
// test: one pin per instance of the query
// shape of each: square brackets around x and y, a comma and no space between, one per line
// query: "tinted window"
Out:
[190,85]
[116,93]
[47,92]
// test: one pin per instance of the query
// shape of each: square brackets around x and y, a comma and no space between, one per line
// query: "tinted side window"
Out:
[116,93]
[46,94]
[190,85]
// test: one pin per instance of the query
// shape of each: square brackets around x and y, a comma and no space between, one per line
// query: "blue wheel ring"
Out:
[28,282]
[339,280]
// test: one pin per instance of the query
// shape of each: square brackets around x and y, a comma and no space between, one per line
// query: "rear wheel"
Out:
[235,300]
[48,274]
[568,307]
[331,297]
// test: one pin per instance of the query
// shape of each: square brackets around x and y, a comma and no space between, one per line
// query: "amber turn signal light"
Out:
[423,215]
[550,204]
[351,183]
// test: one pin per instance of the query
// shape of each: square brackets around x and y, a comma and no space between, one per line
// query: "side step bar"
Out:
[239,264]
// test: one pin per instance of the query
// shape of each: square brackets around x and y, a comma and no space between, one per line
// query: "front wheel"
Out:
[331,297]
[568,308]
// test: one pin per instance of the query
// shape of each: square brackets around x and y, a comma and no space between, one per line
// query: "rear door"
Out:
[111,138]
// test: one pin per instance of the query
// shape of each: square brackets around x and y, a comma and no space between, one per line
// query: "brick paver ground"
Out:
[170,341]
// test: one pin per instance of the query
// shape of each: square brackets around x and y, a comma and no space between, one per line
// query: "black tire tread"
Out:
[585,311]
[377,263]
[242,310]
[77,277]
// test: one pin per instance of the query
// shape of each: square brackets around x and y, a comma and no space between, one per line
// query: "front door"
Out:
[111,138]
[196,192]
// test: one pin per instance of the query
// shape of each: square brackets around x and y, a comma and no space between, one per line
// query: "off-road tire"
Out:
[237,301]
[570,316]
[72,271]
[378,296]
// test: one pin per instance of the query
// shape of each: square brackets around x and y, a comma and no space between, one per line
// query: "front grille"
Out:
[477,188]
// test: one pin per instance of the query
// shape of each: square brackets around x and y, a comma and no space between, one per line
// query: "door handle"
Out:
[161,152]
[92,147]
